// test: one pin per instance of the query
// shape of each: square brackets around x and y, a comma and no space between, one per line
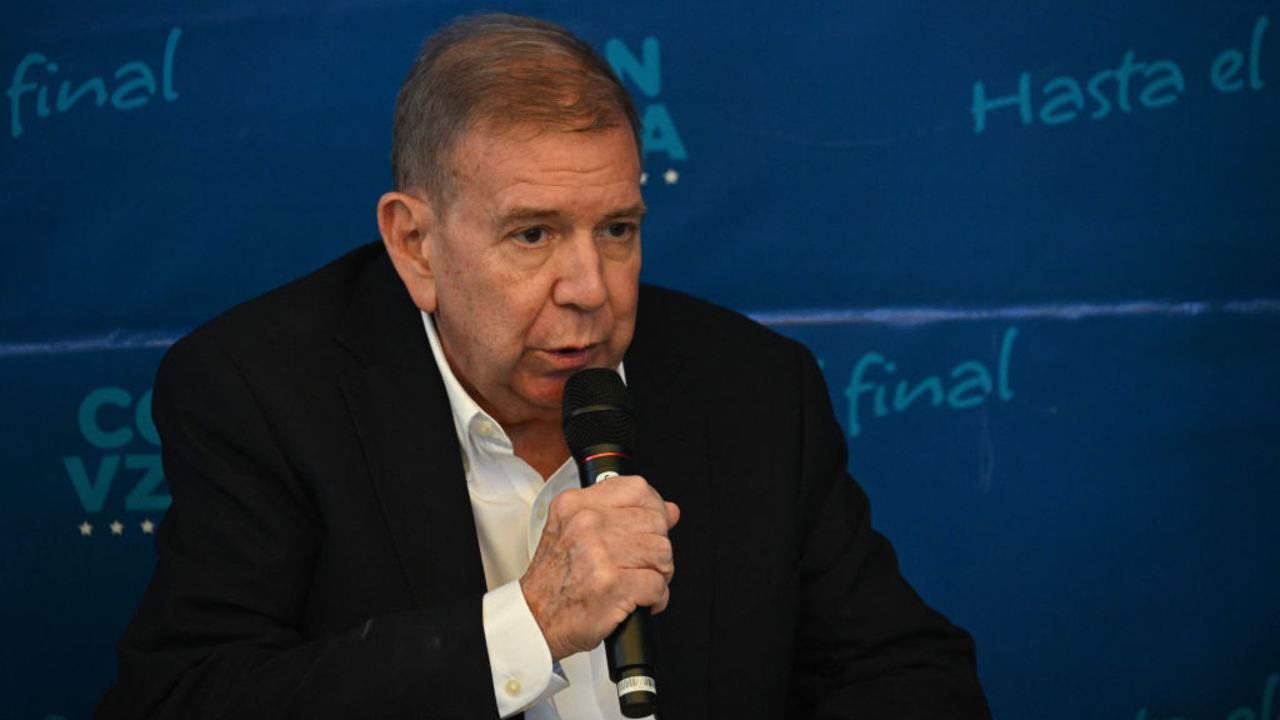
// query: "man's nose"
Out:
[581,274]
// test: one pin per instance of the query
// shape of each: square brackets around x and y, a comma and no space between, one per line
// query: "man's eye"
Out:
[532,236]
[620,230]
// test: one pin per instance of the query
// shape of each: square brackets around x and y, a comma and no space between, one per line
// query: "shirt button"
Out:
[542,511]
[513,687]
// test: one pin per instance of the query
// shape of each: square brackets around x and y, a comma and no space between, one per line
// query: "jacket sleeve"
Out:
[217,632]
[868,646]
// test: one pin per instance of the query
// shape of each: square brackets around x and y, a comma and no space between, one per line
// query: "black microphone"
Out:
[600,428]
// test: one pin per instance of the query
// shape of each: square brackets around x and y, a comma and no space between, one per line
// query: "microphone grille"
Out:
[597,410]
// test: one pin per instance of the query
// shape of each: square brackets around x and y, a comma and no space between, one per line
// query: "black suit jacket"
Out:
[320,557]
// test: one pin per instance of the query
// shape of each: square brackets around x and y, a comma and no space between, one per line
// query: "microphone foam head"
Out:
[597,410]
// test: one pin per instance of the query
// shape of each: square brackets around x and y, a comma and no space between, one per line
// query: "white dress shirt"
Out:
[509,500]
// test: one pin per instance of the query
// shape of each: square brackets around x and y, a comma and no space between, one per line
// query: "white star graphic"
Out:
[117,527]
[148,527]
[644,178]
[671,176]
[86,529]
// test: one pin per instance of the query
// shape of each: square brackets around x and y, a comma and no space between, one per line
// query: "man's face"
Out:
[536,263]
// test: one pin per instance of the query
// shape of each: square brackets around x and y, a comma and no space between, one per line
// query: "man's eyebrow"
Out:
[526,214]
[637,210]
[523,214]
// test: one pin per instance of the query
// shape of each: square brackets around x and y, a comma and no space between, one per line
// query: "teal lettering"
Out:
[142,497]
[1122,76]
[1055,110]
[969,384]
[1095,91]
[660,133]
[166,69]
[19,87]
[881,408]
[144,80]
[858,387]
[93,495]
[137,86]
[1171,80]
[980,379]
[88,418]
[1142,715]
[142,420]
[932,385]
[42,96]
[1126,70]
[65,102]
[1223,71]
[1255,51]
[981,105]
[646,74]
[1006,355]
[1222,74]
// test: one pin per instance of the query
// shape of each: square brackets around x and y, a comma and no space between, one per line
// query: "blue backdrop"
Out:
[1036,246]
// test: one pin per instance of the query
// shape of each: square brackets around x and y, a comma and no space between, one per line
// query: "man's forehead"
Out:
[497,163]
[481,147]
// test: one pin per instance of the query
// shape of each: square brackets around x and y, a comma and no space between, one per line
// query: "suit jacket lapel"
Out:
[401,414]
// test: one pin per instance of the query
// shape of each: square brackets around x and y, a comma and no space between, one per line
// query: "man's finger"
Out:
[673,514]
[652,552]
[626,521]
[624,491]
[643,588]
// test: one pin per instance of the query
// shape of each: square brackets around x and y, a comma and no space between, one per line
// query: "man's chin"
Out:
[543,393]
[533,401]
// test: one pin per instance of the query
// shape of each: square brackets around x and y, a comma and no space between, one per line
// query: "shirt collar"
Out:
[464,408]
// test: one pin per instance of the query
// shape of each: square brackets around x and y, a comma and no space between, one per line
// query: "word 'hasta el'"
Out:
[1131,84]
[131,86]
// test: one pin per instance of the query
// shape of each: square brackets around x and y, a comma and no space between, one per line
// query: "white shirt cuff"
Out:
[519,658]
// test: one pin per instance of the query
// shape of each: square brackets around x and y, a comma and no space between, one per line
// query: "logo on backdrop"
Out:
[642,73]
[117,477]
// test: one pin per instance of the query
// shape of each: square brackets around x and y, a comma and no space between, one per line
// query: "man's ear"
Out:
[406,222]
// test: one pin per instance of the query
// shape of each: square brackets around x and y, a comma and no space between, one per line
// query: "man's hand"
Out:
[603,553]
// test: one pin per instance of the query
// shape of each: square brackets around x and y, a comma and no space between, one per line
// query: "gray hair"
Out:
[500,72]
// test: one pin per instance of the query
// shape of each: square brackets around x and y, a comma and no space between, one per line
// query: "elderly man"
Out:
[375,513]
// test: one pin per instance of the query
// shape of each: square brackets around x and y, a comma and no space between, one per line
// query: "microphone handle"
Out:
[628,649]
